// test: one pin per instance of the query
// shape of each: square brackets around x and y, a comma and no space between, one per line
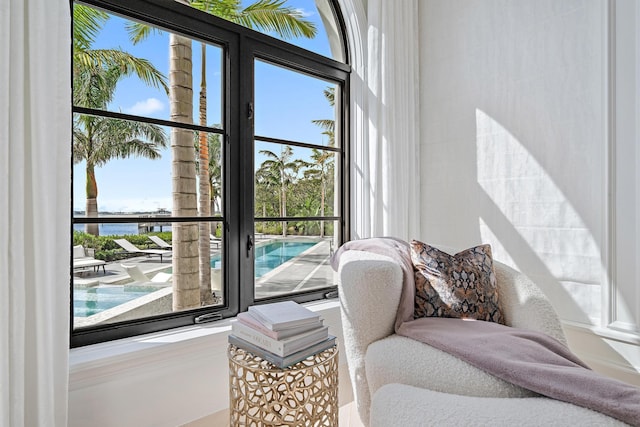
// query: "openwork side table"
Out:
[304,394]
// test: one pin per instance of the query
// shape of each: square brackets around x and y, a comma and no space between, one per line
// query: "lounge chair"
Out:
[161,243]
[215,240]
[129,247]
[82,260]
[138,276]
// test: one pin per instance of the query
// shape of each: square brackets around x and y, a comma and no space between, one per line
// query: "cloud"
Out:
[146,107]
[305,13]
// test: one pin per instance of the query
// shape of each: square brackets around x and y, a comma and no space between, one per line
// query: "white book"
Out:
[246,318]
[283,315]
[283,362]
[283,347]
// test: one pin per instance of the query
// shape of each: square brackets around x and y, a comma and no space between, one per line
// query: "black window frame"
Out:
[241,46]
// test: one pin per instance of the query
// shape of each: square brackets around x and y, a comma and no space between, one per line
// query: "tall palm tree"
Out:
[320,169]
[204,190]
[322,166]
[215,171]
[283,170]
[266,15]
[211,177]
[96,73]
[328,125]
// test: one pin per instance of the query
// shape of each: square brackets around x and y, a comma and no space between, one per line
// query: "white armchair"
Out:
[400,381]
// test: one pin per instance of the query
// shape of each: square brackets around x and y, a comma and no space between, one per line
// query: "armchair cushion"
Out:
[407,406]
[407,361]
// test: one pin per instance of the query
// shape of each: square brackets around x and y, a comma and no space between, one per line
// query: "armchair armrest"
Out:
[369,286]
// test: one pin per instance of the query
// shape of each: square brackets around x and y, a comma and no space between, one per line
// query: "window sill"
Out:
[90,364]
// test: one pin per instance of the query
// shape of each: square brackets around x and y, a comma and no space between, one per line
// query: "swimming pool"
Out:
[90,301]
[274,254]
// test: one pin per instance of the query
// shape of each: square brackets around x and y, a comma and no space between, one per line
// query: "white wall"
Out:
[515,152]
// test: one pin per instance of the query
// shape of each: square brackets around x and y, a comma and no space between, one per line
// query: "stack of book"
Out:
[282,333]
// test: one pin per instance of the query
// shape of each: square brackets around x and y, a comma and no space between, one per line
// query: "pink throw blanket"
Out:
[529,359]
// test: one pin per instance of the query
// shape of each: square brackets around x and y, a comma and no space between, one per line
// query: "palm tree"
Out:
[211,177]
[266,184]
[281,170]
[215,171]
[328,125]
[266,15]
[95,76]
[87,23]
[322,166]
[320,169]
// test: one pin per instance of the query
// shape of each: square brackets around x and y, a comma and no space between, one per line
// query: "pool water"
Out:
[89,301]
[272,255]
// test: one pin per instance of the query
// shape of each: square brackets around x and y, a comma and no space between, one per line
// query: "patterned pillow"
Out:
[461,285]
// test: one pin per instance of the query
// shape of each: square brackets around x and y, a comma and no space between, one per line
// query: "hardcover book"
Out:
[283,362]
[249,320]
[283,347]
[283,315]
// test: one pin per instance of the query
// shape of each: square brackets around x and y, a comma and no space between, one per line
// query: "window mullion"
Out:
[246,96]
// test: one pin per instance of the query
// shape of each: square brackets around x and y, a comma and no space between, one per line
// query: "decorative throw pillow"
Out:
[461,285]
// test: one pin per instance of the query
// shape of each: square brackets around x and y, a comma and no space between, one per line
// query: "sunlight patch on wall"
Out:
[544,233]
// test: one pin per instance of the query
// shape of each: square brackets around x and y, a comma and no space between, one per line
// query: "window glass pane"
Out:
[112,71]
[296,263]
[303,177]
[128,166]
[293,106]
[129,272]
[312,24]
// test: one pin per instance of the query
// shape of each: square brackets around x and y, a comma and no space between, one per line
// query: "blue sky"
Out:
[285,104]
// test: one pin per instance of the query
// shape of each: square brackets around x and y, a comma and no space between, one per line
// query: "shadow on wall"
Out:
[533,226]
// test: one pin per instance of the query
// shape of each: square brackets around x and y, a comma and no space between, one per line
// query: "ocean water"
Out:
[112,229]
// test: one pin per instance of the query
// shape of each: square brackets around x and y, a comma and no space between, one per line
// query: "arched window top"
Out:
[321,15]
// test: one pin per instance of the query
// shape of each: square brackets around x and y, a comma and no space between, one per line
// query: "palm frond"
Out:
[225,9]
[330,95]
[87,23]
[264,15]
[273,15]
[325,124]
[138,32]
[126,63]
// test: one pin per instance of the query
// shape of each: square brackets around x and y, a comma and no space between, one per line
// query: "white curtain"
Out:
[385,146]
[35,135]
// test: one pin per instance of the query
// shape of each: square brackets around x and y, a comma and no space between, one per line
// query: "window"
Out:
[209,163]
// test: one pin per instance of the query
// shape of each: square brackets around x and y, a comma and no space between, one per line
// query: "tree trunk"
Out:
[322,196]
[284,211]
[212,194]
[186,291]
[92,201]
[205,197]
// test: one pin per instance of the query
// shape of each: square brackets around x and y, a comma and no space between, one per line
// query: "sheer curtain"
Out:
[35,135]
[385,152]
